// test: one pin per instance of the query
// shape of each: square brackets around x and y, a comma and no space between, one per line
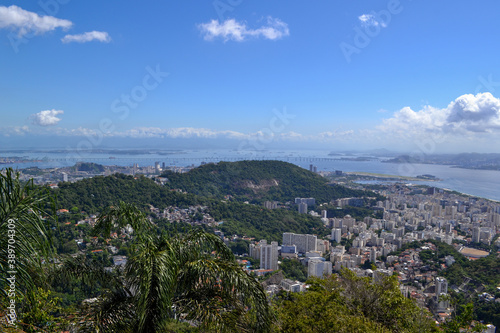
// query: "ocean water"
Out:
[482,183]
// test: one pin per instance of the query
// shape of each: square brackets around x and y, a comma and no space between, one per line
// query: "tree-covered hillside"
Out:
[207,185]
[258,181]
[261,223]
[88,167]
[93,194]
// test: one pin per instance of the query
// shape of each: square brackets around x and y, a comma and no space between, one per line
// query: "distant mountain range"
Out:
[465,160]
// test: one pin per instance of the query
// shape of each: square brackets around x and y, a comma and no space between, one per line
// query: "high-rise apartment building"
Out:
[319,268]
[269,256]
[441,286]
[303,242]
[302,208]
[476,234]
[337,235]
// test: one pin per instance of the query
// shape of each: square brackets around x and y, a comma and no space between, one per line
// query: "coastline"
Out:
[390,177]
[482,183]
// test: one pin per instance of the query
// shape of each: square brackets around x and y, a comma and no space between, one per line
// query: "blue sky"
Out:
[400,75]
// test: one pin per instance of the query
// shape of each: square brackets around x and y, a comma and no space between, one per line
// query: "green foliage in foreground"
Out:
[351,304]
[25,239]
[37,312]
[194,276]
[462,322]
[258,181]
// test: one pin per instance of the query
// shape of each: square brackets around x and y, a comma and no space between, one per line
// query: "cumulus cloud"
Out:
[468,114]
[100,36]
[407,122]
[479,113]
[46,118]
[232,30]
[370,20]
[23,21]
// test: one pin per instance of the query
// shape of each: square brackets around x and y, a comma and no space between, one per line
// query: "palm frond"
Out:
[151,275]
[113,311]
[193,277]
[121,215]
[87,270]
[198,242]
[200,280]
[22,211]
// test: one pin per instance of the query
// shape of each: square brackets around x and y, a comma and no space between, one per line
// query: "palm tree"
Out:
[24,237]
[193,277]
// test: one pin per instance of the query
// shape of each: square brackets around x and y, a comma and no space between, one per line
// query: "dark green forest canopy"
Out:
[93,194]
[259,181]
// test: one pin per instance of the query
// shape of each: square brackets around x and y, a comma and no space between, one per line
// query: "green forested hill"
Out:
[93,194]
[258,181]
[255,181]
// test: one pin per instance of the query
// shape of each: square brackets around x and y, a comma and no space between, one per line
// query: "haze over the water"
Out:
[402,75]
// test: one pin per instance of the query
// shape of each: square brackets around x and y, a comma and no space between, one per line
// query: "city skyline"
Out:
[401,75]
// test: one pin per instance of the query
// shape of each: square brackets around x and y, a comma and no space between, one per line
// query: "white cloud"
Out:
[205,133]
[100,36]
[369,20]
[186,132]
[328,136]
[46,118]
[232,30]
[291,136]
[467,115]
[407,122]
[14,130]
[80,131]
[262,138]
[178,133]
[335,135]
[23,21]
[479,113]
